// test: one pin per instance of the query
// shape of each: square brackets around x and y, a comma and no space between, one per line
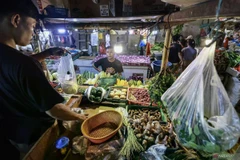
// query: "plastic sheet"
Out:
[200,109]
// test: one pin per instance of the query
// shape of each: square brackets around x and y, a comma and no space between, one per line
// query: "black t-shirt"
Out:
[105,64]
[25,95]
[173,53]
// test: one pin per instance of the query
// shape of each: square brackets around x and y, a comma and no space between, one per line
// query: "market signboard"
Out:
[104,10]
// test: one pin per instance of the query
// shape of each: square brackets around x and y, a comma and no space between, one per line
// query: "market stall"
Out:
[190,114]
[132,64]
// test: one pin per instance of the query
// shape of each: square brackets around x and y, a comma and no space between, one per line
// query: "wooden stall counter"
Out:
[45,142]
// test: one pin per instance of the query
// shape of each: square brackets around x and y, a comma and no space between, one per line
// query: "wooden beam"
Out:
[167,44]
[207,10]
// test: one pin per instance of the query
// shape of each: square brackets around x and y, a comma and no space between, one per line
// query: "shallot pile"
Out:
[139,95]
[149,130]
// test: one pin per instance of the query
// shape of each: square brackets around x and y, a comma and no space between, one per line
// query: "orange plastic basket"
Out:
[102,126]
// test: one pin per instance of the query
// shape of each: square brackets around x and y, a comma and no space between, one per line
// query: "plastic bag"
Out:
[80,145]
[107,151]
[67,76]
[155,152]
[199,107]
[96,96]
[233,90]
[74,126]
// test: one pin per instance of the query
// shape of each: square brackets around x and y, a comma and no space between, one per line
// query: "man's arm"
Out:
[180,57]
[96,68]
[97,64]
[51,51]
[62,112]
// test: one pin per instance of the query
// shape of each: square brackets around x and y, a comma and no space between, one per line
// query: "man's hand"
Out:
[181,63]
[110,70]
[62,112]
[82,117]
[56,51]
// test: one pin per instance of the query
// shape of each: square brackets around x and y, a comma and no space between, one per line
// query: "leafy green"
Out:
[178,29]
[158,85]
[196,130]
[234,58]
[211,148]
[157,46]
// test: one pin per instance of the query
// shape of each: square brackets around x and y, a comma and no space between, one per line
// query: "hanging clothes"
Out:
[148,49]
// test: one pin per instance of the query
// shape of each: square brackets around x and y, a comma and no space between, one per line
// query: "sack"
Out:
[199,107]
[67,76]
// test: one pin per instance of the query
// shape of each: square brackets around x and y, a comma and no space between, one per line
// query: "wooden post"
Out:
[167,44]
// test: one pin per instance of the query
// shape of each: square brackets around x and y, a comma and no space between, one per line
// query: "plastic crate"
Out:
[115,99]
[157,65]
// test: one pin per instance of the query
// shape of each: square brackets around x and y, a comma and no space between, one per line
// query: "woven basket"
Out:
[102,126]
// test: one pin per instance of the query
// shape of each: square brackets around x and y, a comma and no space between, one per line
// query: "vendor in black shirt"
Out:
[28,103]
[109,64]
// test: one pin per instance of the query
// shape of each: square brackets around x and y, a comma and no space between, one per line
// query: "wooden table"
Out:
[46,141]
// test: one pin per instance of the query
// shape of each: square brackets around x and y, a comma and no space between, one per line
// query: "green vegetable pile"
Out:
[178,29]
[234,58]
[195,137]
[95,94]
[158,85]
[82,78]
[157,46]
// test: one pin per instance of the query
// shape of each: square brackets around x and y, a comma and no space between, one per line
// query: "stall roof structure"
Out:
[198,9]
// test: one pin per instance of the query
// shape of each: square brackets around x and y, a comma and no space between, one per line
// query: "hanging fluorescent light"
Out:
[62,31]
[118,48]
[131,31]
[154,32]
[76,30]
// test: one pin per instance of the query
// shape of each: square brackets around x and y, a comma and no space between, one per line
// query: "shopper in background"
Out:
[174,52]
[142,46]
[188,54]
[225,42]
[190,37]
[183,43]
[28,103]
[109,64]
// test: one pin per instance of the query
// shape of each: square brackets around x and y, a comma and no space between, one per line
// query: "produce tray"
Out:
[138,107]
[142,107]
[115,100]
[148,126]
[136,102]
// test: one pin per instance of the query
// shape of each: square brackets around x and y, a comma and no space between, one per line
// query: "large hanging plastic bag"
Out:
[200,109]
[67,76]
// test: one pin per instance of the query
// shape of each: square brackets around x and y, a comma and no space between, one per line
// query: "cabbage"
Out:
[54,75]
[70,88]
